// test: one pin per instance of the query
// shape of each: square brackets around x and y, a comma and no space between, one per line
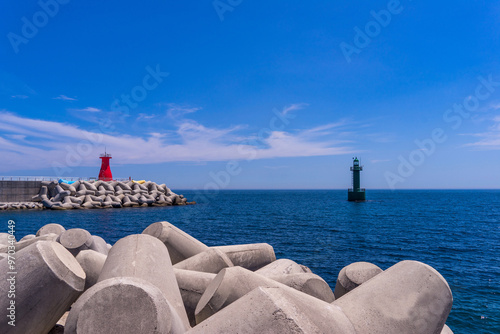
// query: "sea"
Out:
[455,231]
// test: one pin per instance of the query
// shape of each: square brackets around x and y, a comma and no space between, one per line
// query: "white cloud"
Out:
[17,137]
[490,140]
[19,96]
[65,98]
[47,144]
[176,111]
[292,107]
[322,129]
[144,116]
[495,106]
[88,109]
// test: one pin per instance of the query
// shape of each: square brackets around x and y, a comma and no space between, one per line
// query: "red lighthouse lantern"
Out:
[105,172]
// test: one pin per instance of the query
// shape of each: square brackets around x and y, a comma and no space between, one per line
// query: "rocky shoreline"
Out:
[96,194]
[166,281]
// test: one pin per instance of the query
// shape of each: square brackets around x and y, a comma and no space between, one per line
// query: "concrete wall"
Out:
[19,191]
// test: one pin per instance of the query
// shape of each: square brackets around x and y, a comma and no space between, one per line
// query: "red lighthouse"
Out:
[105,172]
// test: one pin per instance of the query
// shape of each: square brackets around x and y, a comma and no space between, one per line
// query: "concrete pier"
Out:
[58,195]
[19,191]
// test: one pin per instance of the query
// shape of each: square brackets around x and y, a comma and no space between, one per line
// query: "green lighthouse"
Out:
[356,193]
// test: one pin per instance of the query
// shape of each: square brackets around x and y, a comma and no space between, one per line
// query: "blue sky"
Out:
[237,94]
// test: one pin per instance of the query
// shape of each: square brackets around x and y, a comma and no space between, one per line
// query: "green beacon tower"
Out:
[356,193]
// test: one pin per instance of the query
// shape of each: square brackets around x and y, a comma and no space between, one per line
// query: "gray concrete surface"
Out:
[50,228]
[282,267]
[192,285]
[92,263]
[408,298]
[123,305]
[145,257]
[76,240]
[18,191]
[276,310]
[229,285]
[249,256]
[180,245]
[353,275]
[210,261]
[48,281]
[308,283]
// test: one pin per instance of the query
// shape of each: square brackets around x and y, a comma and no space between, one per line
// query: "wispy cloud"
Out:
[88,109]
[46,143]
[176,111]
[490,139]
[17,137]
[142,116]
[19,96]
[292,107]
[324,129]
[65,98]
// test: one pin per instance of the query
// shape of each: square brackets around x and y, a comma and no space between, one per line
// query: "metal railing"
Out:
[351,190]
[52,178]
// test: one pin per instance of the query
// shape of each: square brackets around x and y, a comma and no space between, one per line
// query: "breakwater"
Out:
[18,191]
[64,195]
[166,281]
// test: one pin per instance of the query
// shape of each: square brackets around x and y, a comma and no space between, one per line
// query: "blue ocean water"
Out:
[455,231]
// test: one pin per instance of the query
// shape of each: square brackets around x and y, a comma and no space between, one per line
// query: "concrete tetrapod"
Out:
[229,285]
[99,245]
[267,310]
[210,261]
[92,263]
[76,240]
[27,237]
[48,281]
[409,297]
[354,275]
[145,257]
[50,228]
[282,267]
[180,245]
[137,292]
[446,330]
[123,305]
[25,243]
[250,256]
[5,238]
[309,283]
[192,285]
